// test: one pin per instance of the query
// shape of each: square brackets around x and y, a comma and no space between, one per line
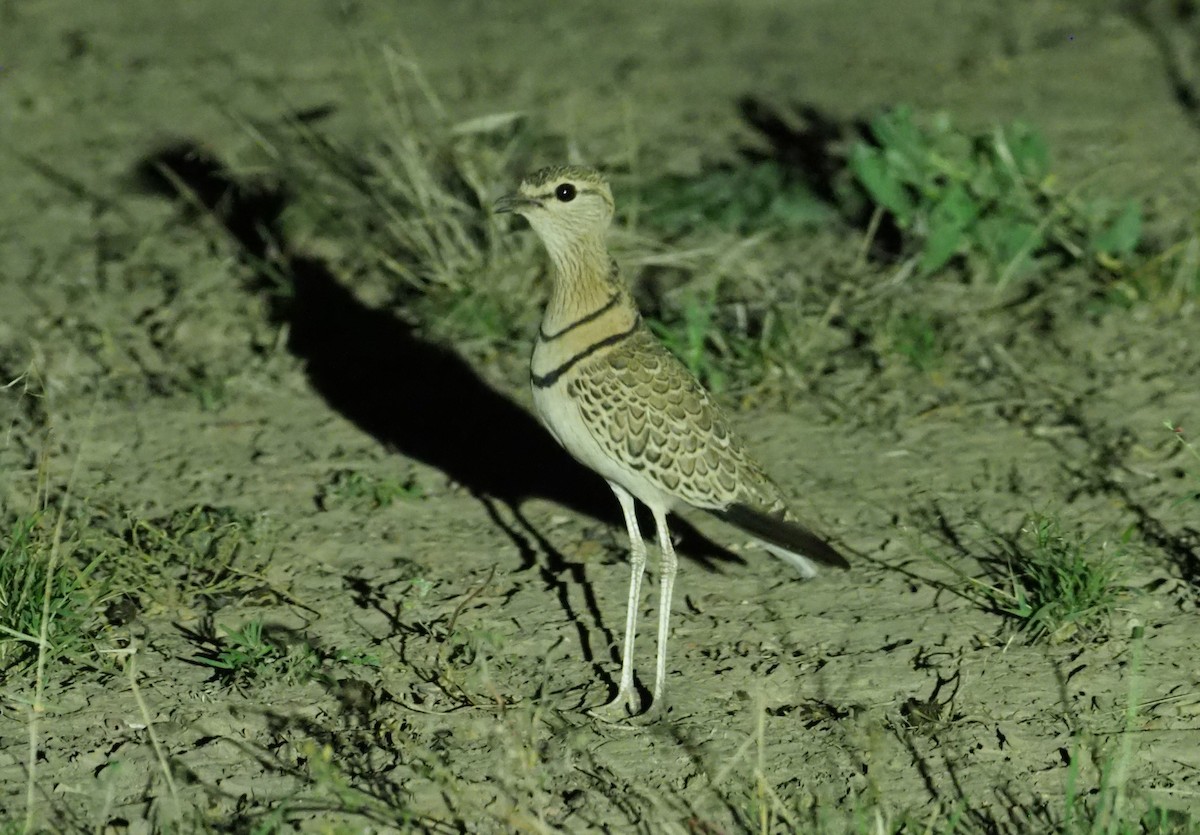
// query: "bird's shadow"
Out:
[413,395]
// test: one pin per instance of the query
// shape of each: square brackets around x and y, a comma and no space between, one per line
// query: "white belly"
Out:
[562,417]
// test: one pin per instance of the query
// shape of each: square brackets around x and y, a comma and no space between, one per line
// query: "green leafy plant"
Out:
[244,652]
[989,198]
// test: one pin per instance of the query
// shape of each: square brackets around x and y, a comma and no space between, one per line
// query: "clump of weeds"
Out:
[1051,583]
[42,597]
[989,199]
[257,653]
[191,555]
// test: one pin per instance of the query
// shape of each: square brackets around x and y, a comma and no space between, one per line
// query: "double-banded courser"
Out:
[623,405]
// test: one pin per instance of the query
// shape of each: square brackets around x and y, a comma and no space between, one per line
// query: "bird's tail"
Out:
[790,541]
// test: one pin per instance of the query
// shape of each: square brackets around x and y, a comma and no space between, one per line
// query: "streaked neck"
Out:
[585,279]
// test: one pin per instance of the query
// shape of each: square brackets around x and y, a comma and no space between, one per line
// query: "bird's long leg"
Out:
[667,570]
[627,702]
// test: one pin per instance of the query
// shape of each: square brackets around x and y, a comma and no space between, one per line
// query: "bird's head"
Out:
[568,206]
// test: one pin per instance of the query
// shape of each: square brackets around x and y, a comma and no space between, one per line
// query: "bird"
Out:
[623,405]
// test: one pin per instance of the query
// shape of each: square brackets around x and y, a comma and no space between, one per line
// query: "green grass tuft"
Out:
[1055,585]
[33,591]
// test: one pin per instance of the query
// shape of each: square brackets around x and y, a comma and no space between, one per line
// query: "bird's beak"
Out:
[513,203]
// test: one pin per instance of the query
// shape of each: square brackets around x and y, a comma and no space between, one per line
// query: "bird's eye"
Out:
[565,192]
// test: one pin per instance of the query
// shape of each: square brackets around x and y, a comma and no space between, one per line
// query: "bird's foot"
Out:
[626,705]
[656,711]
